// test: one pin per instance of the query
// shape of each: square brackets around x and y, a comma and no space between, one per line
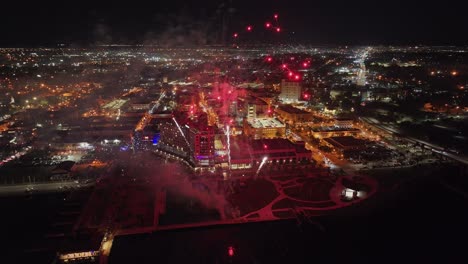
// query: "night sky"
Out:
[317,22]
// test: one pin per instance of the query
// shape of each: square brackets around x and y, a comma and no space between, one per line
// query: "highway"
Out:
[431,146]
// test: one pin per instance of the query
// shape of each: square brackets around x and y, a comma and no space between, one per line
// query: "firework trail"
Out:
[228,133]
[261,165]
[181,132]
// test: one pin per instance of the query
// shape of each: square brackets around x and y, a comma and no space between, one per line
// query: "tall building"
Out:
[189,138]
[255,107]
[202,143]
[290,91]
[201,137]
[171,138]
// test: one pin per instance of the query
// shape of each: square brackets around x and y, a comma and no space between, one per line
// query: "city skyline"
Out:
[234,132]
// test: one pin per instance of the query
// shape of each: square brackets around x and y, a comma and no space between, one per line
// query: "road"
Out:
[413,140]
[361,77]
[6,190]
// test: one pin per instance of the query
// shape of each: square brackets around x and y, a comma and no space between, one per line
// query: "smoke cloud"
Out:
[172,176]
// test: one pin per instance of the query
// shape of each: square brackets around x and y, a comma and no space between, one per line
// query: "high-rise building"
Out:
[290,91]
[255,107]
[201,138]
[173,139]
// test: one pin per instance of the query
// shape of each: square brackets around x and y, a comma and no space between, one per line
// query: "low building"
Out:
[291,114]
[279,151]
[62,170]
[247,155]
[345,144]
[139,104]
[333,131]
[114,107]
[259,128]
[343,122]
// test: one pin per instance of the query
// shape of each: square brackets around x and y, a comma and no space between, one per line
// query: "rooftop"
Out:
[264,122]
[333,129]
[243,149]
[255,101]
[115,104]
[346,141]
[291,109]
[263,145]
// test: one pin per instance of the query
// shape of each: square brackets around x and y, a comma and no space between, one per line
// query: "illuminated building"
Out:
[345,144]
[290,91]
[201,138]
[353,189]
[113,108]
[255,107]
[279,151]
[140,104]
[290,114]
[333,131]
[259,128]
[171,140]
[85,256]
[343,123]
[191,139]
[247,155]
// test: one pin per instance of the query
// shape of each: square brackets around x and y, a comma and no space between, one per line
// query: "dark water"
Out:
[25,218]
[420,222]
[26,221]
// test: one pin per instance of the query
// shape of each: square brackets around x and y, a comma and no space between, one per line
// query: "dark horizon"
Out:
[175,23]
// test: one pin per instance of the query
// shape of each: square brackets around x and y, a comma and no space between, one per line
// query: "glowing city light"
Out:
[249,28]
[268,25]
